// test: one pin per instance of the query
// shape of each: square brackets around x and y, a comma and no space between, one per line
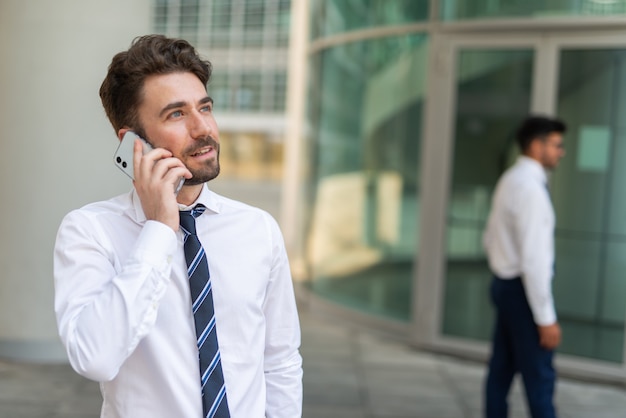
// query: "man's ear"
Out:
[534,148]
[122,132]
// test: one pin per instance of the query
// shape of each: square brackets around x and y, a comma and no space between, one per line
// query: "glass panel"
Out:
[160,15]
[221,20]
[470,9]
[188,24]
[219,91]
[280,92]
[253,19]
[590,202]
[365,121]
[335,16]
[253,14]
[221,14]
[493,95]
[247,96]
[282,22]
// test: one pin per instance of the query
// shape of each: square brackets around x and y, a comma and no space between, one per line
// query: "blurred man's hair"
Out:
[537,127]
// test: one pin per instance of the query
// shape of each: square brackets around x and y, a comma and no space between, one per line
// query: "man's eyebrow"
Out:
[176,105]
[173,105]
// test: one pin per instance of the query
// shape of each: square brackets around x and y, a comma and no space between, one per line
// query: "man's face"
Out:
[176,114]
[552,150]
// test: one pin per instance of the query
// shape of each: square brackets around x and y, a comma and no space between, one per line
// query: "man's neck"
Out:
[189,194]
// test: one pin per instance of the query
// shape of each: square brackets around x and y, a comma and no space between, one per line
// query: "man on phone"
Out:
[180,305]
[519,240]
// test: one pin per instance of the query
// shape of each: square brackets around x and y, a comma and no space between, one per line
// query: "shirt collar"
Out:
[534,167]
[207,197]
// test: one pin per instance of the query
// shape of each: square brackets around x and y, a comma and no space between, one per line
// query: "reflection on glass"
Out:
[365,121]
[330,17]
[253,22]
[590,204]
[188,19]
[480,9]
[160,15]
[250,91]
[493,95]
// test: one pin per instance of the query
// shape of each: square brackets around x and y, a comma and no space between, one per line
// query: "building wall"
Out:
[57,147]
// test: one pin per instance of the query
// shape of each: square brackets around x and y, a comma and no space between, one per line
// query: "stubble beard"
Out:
[208,174]
[212,167]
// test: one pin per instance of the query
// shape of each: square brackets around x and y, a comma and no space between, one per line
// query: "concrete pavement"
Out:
[348,373]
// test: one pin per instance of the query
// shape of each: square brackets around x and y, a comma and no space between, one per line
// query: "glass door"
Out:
[590,201]
[582,80]
[493,91]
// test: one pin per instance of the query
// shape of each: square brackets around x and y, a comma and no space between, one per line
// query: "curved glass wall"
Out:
[366,102]
[330,17]
[482,9]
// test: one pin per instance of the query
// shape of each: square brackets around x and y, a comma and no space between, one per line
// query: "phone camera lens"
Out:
[118,159]
[124,164]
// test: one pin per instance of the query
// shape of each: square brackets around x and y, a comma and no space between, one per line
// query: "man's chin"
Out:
[201,178]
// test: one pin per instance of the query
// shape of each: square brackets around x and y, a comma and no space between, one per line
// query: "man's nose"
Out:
[199,126]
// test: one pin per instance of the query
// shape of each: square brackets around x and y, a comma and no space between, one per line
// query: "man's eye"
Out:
[205,108]
[176,114]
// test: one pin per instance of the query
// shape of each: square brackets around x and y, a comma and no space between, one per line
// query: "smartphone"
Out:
[123,157]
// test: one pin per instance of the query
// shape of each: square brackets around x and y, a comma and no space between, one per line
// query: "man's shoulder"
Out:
[245,214]
[523,174]
[117,206]
[515,189]
[232,206]
[113,204]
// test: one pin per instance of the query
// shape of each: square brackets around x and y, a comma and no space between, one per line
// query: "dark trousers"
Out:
[516,349]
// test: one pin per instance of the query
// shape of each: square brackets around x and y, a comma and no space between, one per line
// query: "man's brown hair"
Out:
[121,91]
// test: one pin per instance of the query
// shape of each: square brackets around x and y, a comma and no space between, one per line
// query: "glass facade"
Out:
[489,9]
[224,23]
[251,35]
[330,17]
[249,91]
[388,110]
[366,118]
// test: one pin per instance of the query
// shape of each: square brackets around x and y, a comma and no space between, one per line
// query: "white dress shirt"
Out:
[519,237]
[124,310]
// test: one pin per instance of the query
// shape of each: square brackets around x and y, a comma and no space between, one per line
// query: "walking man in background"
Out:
[519,241]
[180,305]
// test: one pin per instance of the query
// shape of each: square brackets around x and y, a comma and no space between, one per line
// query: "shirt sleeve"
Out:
[535,224]
[283,363]
[105,306]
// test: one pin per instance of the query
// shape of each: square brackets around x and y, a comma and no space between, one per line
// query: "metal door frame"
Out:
[436,173]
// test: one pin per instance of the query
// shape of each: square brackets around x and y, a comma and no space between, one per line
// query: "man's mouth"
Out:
[202,151]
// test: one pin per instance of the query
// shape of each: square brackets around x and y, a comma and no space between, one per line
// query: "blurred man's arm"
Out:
[550,336]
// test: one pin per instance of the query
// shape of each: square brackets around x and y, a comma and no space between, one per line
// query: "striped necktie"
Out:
[214,402]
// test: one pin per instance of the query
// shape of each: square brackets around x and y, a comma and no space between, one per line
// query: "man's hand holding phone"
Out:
[157,177]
